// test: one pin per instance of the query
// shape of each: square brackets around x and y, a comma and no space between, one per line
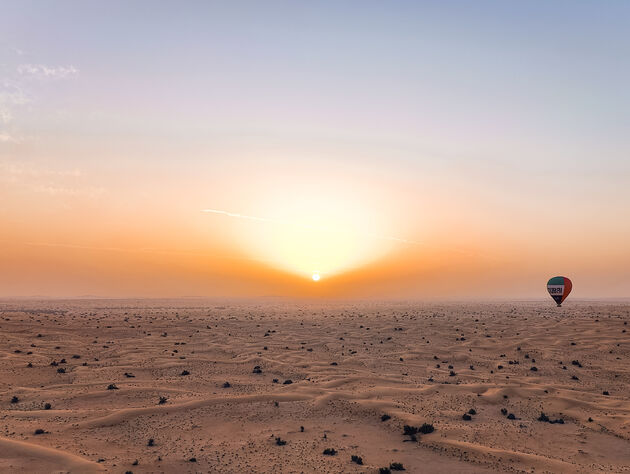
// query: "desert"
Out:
[314,237]
[273,385]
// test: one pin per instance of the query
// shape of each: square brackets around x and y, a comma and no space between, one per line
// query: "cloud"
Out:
[43,71]
[30,170]
[33,178]
[6,138]
[52,190]
[136,250]
[11,95]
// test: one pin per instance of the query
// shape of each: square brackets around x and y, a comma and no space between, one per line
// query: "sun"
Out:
[315,276]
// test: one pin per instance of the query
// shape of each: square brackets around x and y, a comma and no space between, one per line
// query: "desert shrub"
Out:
[426,428]
[410,430]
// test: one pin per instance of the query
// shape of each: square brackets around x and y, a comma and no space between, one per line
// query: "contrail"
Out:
[278,221]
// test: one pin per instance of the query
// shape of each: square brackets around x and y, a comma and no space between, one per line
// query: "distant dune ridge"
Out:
[277,386]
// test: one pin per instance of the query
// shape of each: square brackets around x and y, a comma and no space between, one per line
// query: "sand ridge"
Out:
[316,375]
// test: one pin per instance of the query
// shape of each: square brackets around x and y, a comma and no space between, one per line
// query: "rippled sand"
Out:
[349,364]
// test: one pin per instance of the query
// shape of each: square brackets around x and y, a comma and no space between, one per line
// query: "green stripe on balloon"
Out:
[556,281]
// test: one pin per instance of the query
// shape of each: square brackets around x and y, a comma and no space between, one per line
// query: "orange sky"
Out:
[417,151]
[366,235]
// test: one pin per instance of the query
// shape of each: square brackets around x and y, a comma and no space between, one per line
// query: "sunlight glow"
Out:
[303,228]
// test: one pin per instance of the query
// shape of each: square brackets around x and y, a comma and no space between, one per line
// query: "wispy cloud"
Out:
[43,71]
[31,170]
[13,94]
[148,250]
[51,190]
[5,137]
[42,180]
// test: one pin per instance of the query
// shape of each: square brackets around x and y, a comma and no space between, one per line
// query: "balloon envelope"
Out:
[559,288]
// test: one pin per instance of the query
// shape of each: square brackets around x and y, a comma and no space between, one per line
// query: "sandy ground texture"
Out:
[268,386]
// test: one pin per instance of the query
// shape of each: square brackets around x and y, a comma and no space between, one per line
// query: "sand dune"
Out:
[326,374]
[20,455]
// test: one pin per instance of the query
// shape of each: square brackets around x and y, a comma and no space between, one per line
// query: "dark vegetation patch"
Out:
[544,418]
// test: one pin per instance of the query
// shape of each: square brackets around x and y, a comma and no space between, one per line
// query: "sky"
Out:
[403,149]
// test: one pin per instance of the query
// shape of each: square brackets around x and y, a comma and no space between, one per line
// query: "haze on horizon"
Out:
[396,149]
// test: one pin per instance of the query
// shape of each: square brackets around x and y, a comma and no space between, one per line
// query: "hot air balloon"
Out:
[559,288]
